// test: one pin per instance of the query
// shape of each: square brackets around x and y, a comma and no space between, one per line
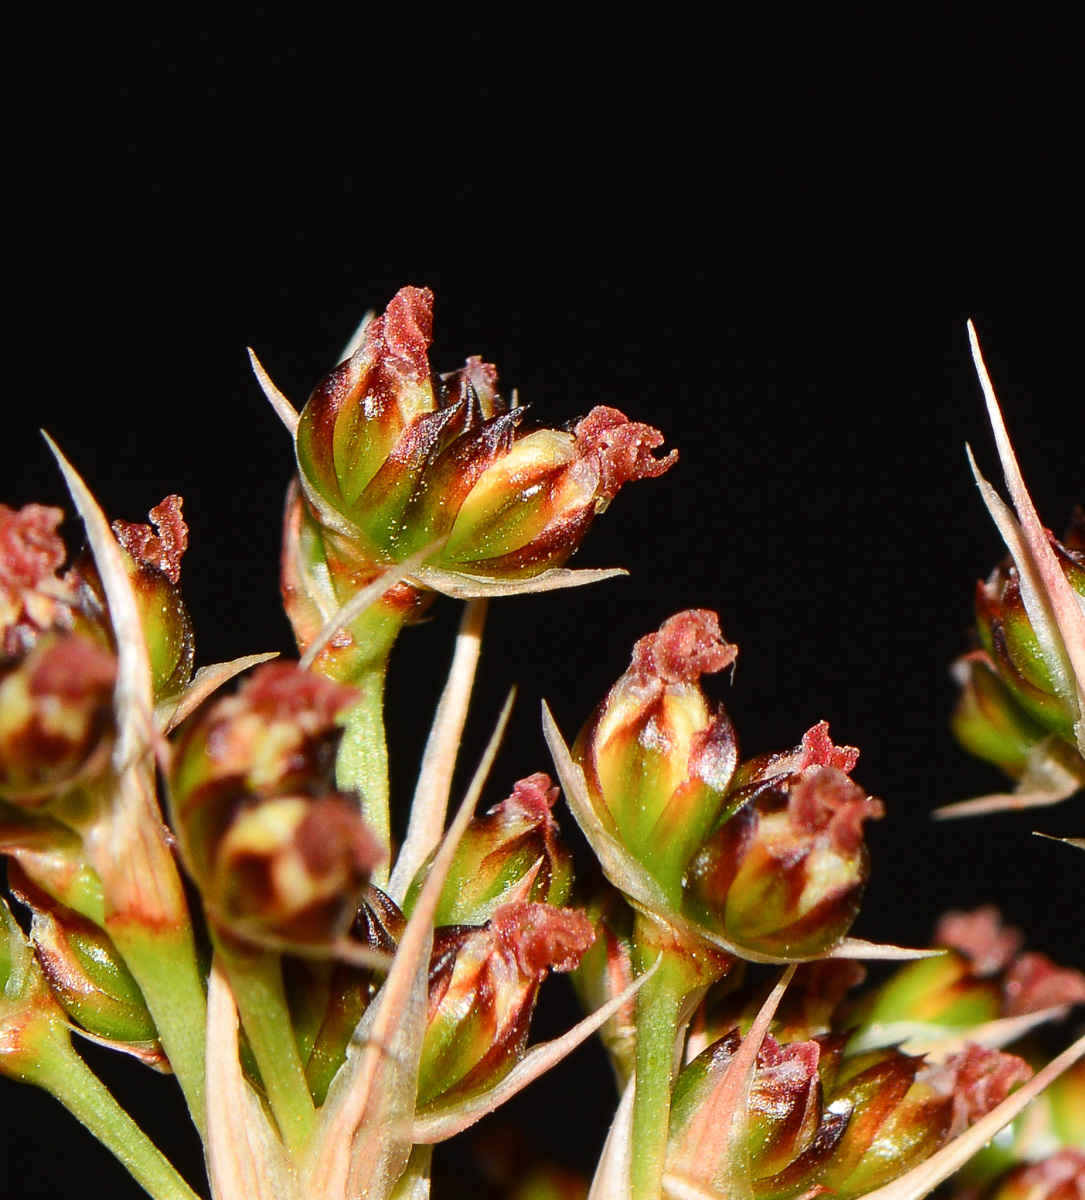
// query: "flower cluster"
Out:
[208,880]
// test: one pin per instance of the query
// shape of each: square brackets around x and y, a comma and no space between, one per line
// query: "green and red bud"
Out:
[394,457]
[498,850]
[784,874]
[483,986]
[377,926]
[657,755]
[153,560]
[901,1111]
[989,721]
[1006,633]
[87,976]
[33,1027]
[605,971]
[56,716]
[274,850]
[790,1135]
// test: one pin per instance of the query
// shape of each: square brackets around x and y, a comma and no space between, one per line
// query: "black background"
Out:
[762,233]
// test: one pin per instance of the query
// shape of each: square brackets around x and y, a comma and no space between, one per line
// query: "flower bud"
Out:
[657,756]
[784,874]
[395,457]
[497,851]
[810,1008]
[273,850]
[56,716]
[483,986]
[87,976]
[901,1111]
[988,721]
[153,559]
[789,1132]
[1010,641]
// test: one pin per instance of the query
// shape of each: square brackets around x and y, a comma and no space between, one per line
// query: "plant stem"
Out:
[256,980]
[63,1073]
[663,1008]
[163,962]
[362,762]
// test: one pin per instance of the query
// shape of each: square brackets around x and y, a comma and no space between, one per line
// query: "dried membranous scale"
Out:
[86,974]
[273,848]
[498,850]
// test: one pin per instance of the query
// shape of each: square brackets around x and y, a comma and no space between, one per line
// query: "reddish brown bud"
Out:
[1058,1177]
[272,849]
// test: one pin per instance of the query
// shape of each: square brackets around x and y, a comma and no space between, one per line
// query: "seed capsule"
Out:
[498,850]
[785,873]
[483,986]
[657,756]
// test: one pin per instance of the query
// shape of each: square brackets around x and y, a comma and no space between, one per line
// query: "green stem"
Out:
[63,1073]
[256,979]
[362,762]
[658,1005]
[163,962]
[663,1008]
